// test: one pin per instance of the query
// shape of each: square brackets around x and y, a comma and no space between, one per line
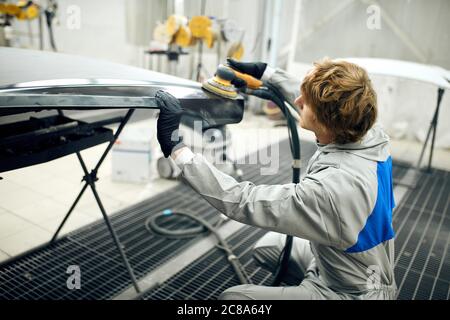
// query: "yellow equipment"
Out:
[210,38]
[9,9]
[221,82]
[236,51]
[23,10]
[200,26]
[29,10]
[183,37]
[178,30]
[174,23]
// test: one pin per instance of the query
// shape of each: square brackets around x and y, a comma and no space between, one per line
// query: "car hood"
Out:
[37,80]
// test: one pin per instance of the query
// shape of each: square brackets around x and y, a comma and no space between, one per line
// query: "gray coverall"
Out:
[340,215]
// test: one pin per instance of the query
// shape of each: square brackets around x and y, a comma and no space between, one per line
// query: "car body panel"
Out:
[36,80]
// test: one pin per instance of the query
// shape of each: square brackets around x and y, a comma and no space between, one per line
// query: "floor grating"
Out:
[422,261]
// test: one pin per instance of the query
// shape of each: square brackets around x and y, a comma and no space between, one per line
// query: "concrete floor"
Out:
[35,199]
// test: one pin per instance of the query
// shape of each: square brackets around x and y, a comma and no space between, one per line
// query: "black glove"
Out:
[255,69]
[168,122]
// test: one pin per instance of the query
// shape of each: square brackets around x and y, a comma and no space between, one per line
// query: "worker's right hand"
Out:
[255,69]
[168,122]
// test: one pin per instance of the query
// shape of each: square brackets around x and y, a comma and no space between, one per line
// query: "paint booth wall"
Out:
[121,30]
[405,107]
[412,30]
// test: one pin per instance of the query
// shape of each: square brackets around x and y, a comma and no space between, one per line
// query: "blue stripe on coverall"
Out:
[378,227]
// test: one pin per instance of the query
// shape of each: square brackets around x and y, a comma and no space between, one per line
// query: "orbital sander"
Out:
[222,82]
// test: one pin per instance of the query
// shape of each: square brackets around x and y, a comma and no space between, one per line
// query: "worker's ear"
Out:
[298,102]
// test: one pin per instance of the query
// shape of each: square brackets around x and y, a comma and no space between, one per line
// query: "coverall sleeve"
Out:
[304,210]
[288,84]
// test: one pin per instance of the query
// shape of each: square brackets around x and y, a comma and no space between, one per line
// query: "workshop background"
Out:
[289,34]
[299,31]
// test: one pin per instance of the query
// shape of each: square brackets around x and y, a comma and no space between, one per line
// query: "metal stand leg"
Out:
[90,179]
[69,212]
[432,127]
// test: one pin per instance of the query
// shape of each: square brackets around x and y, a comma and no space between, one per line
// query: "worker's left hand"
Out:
[168,122]
[255,69]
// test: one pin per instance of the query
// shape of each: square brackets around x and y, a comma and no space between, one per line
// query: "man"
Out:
[341,211]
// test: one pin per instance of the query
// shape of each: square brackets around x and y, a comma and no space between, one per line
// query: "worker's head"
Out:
[337,99]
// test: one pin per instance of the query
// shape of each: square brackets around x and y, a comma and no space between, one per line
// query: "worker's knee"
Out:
[267,250]
[266,257]
[236,293]
[271,239]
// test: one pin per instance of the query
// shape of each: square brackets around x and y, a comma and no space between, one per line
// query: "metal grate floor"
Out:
[421,222]
[422,225]
[41,273]
[207,277]
[422,261]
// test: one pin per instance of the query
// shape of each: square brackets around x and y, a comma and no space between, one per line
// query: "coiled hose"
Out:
[204,227]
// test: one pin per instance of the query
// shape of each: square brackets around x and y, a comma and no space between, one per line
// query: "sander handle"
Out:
[252,82]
